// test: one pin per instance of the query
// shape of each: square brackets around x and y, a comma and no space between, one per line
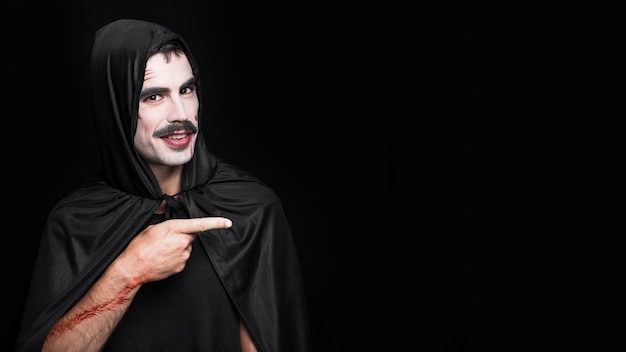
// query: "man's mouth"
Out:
[177,140]
[177,135]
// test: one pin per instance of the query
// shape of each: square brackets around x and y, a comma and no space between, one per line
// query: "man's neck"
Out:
[169,178]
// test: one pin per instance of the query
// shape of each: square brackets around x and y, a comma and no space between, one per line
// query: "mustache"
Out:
[171,128]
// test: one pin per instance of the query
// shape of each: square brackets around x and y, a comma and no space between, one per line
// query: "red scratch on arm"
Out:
[120,298]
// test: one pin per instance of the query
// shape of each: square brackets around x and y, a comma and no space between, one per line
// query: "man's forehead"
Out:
[160,65]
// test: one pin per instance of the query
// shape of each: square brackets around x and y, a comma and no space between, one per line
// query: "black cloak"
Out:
[255,259]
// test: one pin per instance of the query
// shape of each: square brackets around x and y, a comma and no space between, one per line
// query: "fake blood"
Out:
[69,323]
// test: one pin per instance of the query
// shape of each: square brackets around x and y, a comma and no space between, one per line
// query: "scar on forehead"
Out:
[148,74]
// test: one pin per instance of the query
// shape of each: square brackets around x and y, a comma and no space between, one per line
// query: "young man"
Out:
[171,248]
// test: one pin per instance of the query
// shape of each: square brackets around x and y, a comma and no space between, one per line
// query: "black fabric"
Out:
[255,260]
[175,302]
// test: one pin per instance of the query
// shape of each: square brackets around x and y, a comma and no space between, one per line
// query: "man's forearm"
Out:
[88,325]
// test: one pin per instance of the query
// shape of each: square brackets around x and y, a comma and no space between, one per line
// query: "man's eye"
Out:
[153,97]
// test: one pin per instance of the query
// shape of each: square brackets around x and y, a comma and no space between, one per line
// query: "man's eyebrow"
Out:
[161,90]
[191,81]
[153,91]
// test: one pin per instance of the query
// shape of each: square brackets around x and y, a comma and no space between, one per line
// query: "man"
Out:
[171,248]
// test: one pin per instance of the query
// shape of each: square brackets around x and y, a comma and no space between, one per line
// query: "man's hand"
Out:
[163,249]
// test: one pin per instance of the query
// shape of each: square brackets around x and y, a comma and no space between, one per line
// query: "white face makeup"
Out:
[168,112]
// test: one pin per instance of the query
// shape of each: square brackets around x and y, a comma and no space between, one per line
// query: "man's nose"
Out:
[178,113]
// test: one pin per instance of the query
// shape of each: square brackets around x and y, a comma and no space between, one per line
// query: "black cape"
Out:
[255,260]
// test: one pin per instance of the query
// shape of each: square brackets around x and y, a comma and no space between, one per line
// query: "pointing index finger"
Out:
[191,226]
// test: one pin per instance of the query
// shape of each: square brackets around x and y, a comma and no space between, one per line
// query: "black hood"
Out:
[119,55]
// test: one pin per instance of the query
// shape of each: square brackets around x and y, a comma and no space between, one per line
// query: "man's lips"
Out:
[179,139]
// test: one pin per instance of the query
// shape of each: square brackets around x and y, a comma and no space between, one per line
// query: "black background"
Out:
[449,180]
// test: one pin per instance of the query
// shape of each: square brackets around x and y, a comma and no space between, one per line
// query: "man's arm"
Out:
[88,325]
[244,338]
[156,253]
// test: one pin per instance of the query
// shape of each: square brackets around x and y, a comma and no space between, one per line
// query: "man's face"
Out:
[168,112]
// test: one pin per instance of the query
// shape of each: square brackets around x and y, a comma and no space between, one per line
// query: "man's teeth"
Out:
[177,136]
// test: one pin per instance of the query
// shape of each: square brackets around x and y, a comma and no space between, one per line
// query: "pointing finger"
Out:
[192,226]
